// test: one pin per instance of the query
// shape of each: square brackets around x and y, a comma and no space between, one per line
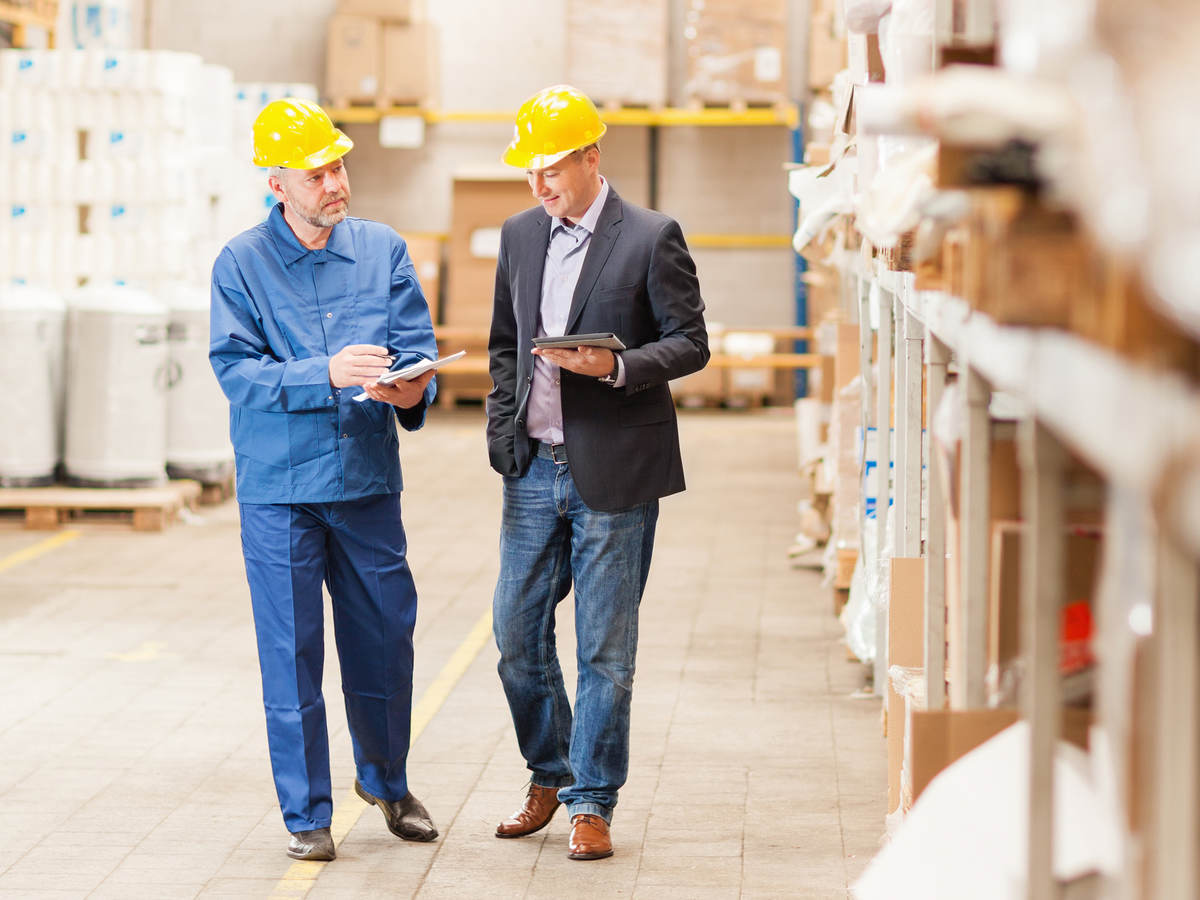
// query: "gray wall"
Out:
[713,180]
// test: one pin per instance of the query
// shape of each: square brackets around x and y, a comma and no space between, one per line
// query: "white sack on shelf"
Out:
[975,105]
[967,834]
[862,16]
[858,615]
[892,203]
[906,40]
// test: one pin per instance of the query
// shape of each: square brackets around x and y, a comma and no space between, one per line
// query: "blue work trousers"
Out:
[549,540]
[358,549]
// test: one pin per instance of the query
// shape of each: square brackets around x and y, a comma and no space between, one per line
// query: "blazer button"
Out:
[520,423]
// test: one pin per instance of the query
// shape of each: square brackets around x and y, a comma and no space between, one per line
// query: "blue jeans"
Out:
[358,548]
[548,539]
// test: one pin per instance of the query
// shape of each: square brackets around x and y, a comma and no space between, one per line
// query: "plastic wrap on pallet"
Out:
[844,424]
[863,16]
[858,615]
[909,682]
[617,51]
[736,50]
[906,40]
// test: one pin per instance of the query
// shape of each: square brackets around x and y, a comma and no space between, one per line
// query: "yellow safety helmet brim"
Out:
[551,125]
[297,134]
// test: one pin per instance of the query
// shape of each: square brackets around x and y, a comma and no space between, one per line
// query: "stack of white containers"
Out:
[31,327]
[128,171]
[117,378]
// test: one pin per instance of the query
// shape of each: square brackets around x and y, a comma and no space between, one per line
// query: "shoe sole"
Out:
[521,834]
[604,855]
[415,838]
[313,857]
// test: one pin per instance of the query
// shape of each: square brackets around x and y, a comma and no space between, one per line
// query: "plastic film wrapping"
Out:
[617,51]
[736,50]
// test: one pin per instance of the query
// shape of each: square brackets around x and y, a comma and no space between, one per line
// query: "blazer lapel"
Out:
[533,264]
[600,245]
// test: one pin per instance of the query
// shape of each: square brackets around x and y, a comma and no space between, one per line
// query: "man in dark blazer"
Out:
[587,441]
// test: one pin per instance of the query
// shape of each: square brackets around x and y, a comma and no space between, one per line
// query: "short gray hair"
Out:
[276,172]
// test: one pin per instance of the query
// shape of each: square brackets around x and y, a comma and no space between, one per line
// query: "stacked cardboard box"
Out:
[617,51]
[736,51]
[377,53]
[480,203]
[425,251]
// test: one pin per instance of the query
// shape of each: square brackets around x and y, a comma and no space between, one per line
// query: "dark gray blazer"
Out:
[639,281]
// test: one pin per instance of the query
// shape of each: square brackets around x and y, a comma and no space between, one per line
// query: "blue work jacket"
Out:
[279,312]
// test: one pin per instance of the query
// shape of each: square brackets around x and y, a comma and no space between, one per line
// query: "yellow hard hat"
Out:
[297,134]
[552,123]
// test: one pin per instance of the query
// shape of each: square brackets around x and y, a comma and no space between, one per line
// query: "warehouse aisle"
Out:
[133,748]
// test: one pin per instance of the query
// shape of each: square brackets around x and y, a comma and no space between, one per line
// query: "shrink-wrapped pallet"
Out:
[617,51]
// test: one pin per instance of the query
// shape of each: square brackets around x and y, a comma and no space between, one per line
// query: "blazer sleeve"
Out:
[502,365]
[673,291]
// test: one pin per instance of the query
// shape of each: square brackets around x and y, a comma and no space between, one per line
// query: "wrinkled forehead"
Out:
[300,174]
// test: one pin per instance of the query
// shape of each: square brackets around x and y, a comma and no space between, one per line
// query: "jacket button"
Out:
[520,423]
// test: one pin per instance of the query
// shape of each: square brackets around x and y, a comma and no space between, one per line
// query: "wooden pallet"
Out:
[214,492]
[147,509]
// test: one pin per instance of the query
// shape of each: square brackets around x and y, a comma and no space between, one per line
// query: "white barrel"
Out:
[198,444]
[31,358]
[116,432]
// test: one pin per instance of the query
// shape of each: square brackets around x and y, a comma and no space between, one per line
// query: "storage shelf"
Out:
[701,241]
[40,15]
[785,116]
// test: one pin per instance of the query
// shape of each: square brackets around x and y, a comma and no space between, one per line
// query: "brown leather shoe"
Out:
[535,813]
[590,838]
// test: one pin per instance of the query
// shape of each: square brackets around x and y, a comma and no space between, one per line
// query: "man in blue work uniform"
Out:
[308,309]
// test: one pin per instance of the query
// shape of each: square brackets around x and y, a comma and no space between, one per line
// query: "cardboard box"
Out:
[1081,565]
[937,738]
[827,52]
[386,10]
[410,65]
[617,51]
[353,59]
[426,253]
[736,50]
[906,647]
[479,206]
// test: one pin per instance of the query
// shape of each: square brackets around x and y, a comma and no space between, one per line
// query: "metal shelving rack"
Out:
[1134,427]
[40,14]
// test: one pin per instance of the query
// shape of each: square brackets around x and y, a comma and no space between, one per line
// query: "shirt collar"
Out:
[589,219]
[340,243]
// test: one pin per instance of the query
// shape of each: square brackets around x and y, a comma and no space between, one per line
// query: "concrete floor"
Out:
[133,760]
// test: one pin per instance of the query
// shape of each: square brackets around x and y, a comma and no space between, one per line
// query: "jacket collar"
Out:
[340,243]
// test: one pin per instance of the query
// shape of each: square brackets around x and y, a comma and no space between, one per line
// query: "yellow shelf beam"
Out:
[701,241]
[711,116]
[739,241]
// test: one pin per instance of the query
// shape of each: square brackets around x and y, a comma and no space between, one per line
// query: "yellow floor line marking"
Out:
[302,875]
[36,550]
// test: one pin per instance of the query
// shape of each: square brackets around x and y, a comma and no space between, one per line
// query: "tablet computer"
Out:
[414,370]
[607,340]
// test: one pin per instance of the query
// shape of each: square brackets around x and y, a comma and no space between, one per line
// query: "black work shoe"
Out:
[406,819]
[316,845]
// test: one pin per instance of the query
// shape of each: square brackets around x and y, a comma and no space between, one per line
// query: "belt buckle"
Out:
[554,450]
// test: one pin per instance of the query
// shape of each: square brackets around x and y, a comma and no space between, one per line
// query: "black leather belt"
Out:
[555,452]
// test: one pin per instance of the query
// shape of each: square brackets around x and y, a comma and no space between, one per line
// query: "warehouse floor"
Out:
[134,760]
